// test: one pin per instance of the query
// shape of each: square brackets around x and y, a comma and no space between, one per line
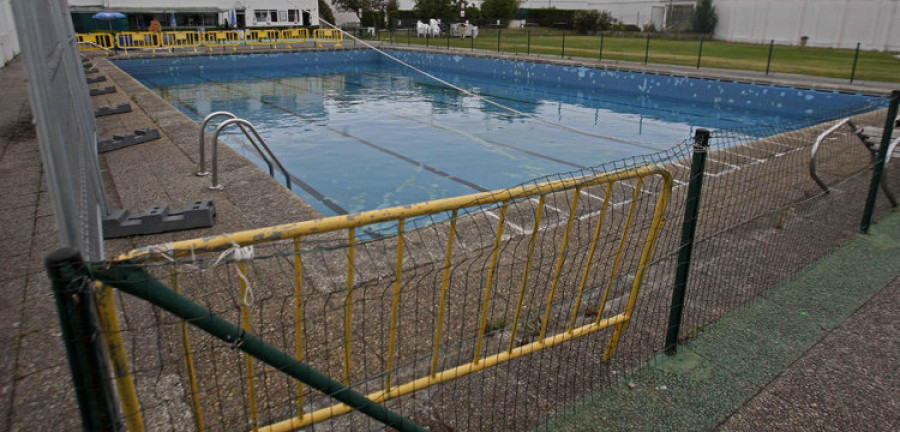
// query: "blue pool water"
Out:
[362,132]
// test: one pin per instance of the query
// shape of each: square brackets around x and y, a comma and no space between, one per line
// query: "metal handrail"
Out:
[815,148]
[206,120]
[268,156]
[95,44]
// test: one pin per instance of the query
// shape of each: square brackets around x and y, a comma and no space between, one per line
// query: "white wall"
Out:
[875,24]
[9,41]
[637,12]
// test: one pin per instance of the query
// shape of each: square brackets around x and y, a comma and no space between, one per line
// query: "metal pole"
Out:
[855,60]
[769,61]
[76,308]
[647,50]
[407,37]
[529,42]
[688,229]
[472,43]
[700,53]
[133,280]
[600,57]
[448,40]
[427,44]
[563,53]
[879,162]
[498,39]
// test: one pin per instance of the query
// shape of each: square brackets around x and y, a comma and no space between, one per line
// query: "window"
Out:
[260,16]
[282,16]
[293,15]
[273,14]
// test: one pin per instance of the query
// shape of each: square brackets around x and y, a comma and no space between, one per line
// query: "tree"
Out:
[355,6]
[586,21]
[503,10]
[325,12]
[705,17]
[436,9]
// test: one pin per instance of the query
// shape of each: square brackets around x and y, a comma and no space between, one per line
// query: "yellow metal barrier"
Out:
[326,36]
[507,199]
[137,40]
[95,41]
[295,36]
[221,38]
[261,37]
[180,39]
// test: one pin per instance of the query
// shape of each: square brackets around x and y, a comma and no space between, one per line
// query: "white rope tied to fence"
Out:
[240,254]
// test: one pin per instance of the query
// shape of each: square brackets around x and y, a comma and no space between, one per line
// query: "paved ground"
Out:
[818,352]
[851,345]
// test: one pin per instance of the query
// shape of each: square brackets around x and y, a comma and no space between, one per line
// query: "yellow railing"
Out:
[95,41]
[261,37]
[180,39]
[295,36]
[137,40]
[221,38]
[506,199]
[328,36]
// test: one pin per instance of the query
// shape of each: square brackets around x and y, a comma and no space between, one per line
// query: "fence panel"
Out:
[262,37]
[294,36]
[180,39]
[66,129]
[95,41]
[328,36]
[138,40]
[222,38]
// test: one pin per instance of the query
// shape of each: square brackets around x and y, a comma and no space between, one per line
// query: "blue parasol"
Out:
[108,16]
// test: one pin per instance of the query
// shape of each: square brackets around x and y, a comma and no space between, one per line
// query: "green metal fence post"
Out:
[880,158]
[427,43]
[769,61]
[529,42]
[472,42]
[855,60]
[600,57]
[499,32]
[647,50]
[700,53]
[688,229]
[563,53]
[448,40]
[76,308]
[408,39]
[132,279]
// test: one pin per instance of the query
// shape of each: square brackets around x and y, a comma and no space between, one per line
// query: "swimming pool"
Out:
[361,131]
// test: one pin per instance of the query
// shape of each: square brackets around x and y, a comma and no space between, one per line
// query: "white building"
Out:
[244,13]
[874,24]
[9,41]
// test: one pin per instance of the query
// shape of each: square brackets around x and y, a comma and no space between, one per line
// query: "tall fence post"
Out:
[880,158]
[76,308]
[529,42]
[769,61]
[499,32]
[688,229]
[700,53]
[562,54]
[647,50]
[472,42]
[448,40]
[600,56]
[408,39]
[855,60]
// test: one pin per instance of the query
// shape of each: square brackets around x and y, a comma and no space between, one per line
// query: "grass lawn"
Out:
[827,62]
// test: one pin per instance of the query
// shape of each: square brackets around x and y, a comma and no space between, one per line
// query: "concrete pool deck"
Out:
[34,386]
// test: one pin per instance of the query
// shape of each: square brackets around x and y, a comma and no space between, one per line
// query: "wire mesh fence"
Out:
[492,312]
[642,47]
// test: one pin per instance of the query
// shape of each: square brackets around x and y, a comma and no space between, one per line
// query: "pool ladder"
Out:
[869,139]
[249,131]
